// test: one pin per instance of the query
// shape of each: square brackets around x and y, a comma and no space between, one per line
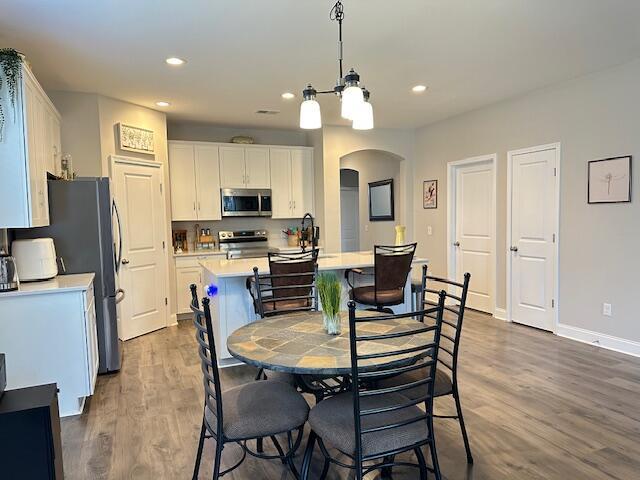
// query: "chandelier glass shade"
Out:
[354,98]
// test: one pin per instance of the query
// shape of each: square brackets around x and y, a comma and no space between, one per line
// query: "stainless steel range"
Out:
[245,244]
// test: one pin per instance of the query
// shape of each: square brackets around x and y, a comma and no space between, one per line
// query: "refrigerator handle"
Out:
[118,256]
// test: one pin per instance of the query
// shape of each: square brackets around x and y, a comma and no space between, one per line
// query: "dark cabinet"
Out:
[30,444]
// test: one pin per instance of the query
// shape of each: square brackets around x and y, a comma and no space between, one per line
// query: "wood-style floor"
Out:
[537,407]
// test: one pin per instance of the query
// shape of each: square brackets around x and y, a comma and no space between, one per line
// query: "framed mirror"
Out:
[381,201]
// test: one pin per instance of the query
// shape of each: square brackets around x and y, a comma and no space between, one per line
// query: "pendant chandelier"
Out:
[354,98]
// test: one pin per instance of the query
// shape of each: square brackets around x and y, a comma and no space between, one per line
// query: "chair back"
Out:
[392,266]
[419,352]
[209,362]
[453,315]
[290,285]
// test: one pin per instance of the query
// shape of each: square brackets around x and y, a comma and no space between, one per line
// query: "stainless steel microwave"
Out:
[248,202]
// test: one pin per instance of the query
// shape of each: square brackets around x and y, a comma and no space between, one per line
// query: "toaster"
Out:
[35,259]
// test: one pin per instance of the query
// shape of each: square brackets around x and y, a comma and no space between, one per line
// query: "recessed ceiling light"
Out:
[163,104]
[175,61]
[288,95]
[419,88]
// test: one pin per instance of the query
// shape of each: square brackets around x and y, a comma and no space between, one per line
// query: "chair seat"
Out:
[260,409]
[367,295]
[443,385]
[332,420]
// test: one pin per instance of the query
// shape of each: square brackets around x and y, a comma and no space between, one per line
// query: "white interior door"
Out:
[474,237]
[350,219]
[142,274]
[532,254]
[208,182]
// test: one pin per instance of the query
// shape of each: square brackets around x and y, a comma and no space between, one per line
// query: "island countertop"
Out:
[332,261]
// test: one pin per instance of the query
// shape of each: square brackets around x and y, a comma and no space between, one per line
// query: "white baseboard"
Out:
[597,339]
[173,320]
[500,314]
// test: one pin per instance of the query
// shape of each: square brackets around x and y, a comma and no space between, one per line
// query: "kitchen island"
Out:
[232,308]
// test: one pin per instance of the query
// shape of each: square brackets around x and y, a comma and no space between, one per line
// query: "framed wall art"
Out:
[609,180]
[134,139]
[381,207]
[430,194]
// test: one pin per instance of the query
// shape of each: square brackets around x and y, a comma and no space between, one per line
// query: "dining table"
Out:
[297,343]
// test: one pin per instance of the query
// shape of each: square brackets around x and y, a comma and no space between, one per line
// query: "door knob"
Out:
[513,248]
[125,261]
[456,244]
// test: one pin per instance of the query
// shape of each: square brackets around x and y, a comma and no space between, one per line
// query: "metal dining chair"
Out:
[392,265]
[372,425]
[288,288]
[447,372]
[247,412]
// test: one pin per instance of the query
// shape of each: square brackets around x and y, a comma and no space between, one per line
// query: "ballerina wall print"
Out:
[610,180]
[430,194]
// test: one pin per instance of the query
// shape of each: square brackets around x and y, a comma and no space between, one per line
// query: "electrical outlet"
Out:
[366,227]
[606,309]
[429,230]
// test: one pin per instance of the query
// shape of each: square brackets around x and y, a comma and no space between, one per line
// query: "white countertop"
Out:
[201,253]
[60,284]
[218,252]
[332,261]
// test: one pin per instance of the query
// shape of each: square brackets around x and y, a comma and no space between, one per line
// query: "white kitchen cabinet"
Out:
[195,181]
[189,271]
[292,182]
[58,344]
[182,168]
[208,182]
[232,167]
[244,167]
[185,277]
[257,167]
[302,182]
[30,148]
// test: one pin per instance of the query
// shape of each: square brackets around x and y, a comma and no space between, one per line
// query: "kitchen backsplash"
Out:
[272,226]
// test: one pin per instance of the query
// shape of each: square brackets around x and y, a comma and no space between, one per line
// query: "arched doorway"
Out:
[357,170]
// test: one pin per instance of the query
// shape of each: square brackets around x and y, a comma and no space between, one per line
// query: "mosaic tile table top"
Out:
[297,343]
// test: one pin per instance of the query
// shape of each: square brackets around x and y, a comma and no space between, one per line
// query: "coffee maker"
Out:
[8,273]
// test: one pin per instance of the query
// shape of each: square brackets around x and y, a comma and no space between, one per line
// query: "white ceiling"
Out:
[243,54]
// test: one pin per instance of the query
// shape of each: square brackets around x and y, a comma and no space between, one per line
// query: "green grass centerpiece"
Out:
[330,292]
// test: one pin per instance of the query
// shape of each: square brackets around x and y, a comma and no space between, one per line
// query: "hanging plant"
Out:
[11,65]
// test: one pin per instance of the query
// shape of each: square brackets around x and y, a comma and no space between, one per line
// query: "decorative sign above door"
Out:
[134,139]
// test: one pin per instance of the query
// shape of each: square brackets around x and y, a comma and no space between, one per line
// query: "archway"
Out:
[369,165]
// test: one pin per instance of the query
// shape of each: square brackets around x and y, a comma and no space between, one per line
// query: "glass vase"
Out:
[332,324]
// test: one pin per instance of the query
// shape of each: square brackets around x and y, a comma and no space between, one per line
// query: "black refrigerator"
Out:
[85,227]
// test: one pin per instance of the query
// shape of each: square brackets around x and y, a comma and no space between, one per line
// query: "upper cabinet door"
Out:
[257,167]
[232,170]
[301,181]
[183,182]
[208,182]
[281,204]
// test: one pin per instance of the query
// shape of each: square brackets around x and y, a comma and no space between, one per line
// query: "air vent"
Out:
[267,112]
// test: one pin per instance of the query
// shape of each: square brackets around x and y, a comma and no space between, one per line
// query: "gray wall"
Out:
[372,166]
[206,132]
[593,117]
